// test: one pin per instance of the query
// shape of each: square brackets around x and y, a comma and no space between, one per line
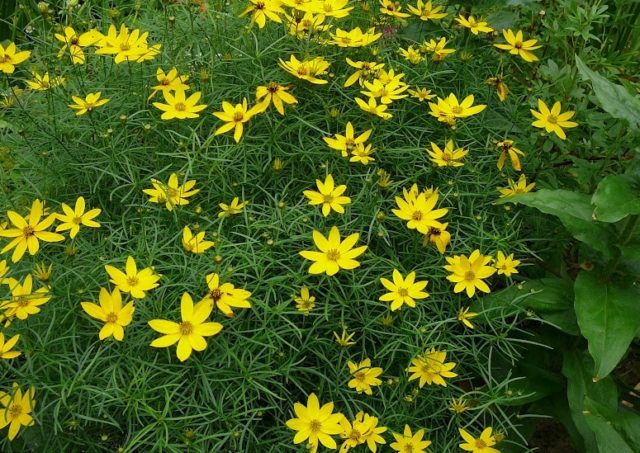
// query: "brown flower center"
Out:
[28,231]
[480,444]
[417,215]
[180,107]
[14,411]
[186,328]
[360,376]
[333,255]
[111,317]
[457,109]
[124,47]
[273,87]
[327,198]
[238,117]
[552,119]
[403,292]
[469,276]
[315,426]
[133,281]
[22,302]
[215,294]
[77,220]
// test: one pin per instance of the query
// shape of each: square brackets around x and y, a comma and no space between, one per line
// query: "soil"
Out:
[550,436]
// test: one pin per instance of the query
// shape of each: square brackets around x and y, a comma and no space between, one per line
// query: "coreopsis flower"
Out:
[506,148]
[303,27]
[276,94]
[553,120]
[16,409]
[24,302]
[195,243]
[437,49]
[127,45]
[449,157]
[426,11]
[412,55]
[364,376]
[407,441]
[418,210]
[131,280]
[305,302]
[261,10]
[308,70]
[458,405]
[371,106]
[235,117]
[72,219]
[44,82]
[42,271]
[231,209]
[362,153]
[169,81]
[482,444]
[74,42]
[393,9]
[505,264]
[502,90]
[354,37]
[330,8]
[88,104]
[474,25]
[10,57]
[390,77]
[225,297]
[315,424]
[6,352]
[27,232]
[111,312]
[403,290]
[449,109]
[517,46]
[299,5]
[364,429]
[439,237]
[190,332]
[515,188]
[345,143]
[328,195]
[430,368]
[333,254]
[469,273]
[344,339]
[177,105]
[465,316]
[384,178]
[386,91]
[421,94]
[365,70]
[172,193]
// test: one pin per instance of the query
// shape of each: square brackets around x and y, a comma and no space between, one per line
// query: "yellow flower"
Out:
[42,271]
[449,157]
[365,70]
[111,312]
[315,424]
[418,210]
[24,301]
[190,333]
[133,281]
[412,55]
[403,290]
[449,109]
[88,104]
[16,410]
[354,38]
[362,154]
[75,43]
[29,231]
[179,106]
[172,193]
[44,82]
[276,94]
[308,70]
[391,8]
[437,48]
[384,178]
[6,352]
[468,273]
[235,117]
[169,81]
[464,316]
[502,89]
[10,57]
[127,45]
[346,143]
[482,444]
[553,120]
[409,442]
[430,368]
[458,405]
[329,8]
[475,25]
[225,297]
[386,91]
[426,11]
[303,27]
[516,188]
[72,218]
[364,376]
[422,94]
[195,243]
[305,302]
[440,237]
[506,148]
[328,195]
[261,10]
[344,339]
[371,106]
[233,208]
[506,265]
[333,253]
[517,46]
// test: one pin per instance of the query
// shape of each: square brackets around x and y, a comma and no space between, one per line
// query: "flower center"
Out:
[260,6]
[315,426]
[327,199]
[112,317]
[215,294]
[518,45]
[552,119]
[480,444]
[75,40]
[360,376]
[469,276]
[273,87]
[22,302]
[165,82]
[417,215]
[180,107]
[186,328]
[15,411]
[403,292]
[28,231]
[408,448]
[333,255]
[125,46]
[434,231]
[77,220]
[238,117]
[355,435]
[457,109]
[133,281]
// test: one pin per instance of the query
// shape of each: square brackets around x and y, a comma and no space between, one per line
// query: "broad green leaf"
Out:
[609,317]
[606,425]
[614,99]
[616,197]
[574,211]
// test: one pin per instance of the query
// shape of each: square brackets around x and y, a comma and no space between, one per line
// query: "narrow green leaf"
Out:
[603,423]
[609,317]
[615,198]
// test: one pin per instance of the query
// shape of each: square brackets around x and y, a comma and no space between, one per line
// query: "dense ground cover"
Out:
[280,226]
